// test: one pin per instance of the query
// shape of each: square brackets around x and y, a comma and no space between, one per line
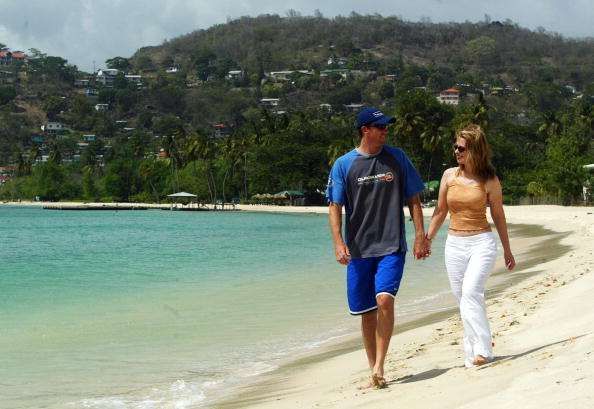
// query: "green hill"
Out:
[264,104]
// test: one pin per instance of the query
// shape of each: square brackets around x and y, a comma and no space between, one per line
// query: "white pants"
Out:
[469,261]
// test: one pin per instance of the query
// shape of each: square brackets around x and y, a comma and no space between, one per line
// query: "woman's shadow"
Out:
[434,373]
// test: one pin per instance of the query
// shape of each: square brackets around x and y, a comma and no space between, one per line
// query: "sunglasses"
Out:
[459,148]
[381,127]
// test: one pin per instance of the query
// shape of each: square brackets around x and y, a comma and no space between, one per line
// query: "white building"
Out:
[270,102]
[52,127]
[136,79]
[450,96]
[107,76]
[235,75]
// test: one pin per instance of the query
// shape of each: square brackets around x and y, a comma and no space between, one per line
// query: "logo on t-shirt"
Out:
[379,178]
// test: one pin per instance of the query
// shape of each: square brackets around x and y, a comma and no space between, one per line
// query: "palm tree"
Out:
[148,171]
[232,155]
[199,147]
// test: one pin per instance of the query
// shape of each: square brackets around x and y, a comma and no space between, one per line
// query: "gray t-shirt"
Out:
[373,189]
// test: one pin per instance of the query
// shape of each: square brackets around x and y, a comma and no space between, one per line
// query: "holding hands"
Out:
[422,247]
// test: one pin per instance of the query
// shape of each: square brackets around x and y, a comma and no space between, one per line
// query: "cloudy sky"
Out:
[87,32]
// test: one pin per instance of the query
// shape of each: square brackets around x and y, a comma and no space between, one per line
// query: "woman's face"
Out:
[460,151]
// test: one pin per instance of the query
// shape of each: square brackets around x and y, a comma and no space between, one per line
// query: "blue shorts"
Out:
[369,277]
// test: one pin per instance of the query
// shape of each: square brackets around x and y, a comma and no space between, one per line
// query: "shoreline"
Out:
[425,354]
[257,391]
[542,325]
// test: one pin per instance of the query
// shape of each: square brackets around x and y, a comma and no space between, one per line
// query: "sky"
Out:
[87,32]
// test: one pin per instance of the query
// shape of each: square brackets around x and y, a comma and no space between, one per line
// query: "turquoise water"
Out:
[160,309]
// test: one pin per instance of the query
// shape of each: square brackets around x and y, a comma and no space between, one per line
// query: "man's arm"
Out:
[421,247]
[341,251]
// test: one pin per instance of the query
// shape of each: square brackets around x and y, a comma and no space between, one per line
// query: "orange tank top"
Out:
[467,204]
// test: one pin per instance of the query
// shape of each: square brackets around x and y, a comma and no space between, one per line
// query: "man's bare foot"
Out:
[480,360]
[379,382]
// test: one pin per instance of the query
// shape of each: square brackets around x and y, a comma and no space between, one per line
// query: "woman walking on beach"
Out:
[471,249]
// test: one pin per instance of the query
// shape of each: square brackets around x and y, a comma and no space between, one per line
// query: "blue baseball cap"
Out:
[373,116]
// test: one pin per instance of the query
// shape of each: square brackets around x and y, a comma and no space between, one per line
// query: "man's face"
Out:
[376,133]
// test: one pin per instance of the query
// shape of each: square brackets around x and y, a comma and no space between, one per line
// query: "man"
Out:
[373,182]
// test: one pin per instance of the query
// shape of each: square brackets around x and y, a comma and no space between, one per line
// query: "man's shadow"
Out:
[434,373]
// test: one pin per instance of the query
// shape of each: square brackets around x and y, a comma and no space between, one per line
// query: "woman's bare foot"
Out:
[379,382]
[480,360]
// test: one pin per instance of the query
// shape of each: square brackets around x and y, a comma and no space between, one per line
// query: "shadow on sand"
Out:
[434,373]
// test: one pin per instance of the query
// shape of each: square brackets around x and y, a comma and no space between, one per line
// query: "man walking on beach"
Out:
[373,182]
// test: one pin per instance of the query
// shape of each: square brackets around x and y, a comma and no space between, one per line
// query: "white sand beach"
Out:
[543,333]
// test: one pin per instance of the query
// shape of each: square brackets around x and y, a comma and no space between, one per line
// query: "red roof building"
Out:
[450,96]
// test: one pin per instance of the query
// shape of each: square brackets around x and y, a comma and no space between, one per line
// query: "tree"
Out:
[53,106]
[565,160]
[118,63]
[481,50]
[7,94]
[90,191]
[121,179]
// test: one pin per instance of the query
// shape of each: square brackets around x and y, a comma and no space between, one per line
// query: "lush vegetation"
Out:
[532,91]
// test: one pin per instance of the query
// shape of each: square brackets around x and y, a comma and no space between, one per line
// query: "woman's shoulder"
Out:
[450,174]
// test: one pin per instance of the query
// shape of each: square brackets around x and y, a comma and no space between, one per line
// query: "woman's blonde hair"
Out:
[478,152]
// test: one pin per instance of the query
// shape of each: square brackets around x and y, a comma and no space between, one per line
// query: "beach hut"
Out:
[182,194]
[183,197]
[294,197]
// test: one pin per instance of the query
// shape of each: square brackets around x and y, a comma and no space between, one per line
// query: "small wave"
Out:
[179,395]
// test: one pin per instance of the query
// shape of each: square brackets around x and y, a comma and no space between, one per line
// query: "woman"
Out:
[471,249]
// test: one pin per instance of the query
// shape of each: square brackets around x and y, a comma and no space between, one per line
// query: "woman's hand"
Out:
[510,262]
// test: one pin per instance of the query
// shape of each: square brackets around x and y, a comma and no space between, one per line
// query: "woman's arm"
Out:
[441,209]
[496,203]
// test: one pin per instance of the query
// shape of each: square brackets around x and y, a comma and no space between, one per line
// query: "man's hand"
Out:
[422,247]
[343,256]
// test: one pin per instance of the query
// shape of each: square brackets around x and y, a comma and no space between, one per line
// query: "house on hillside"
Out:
[107,77]
[101,107]
[286,74]
[340,61]
[343,72]
[89,138]
[450,96]
[52,128]
[220,130]
[389,77]
[8,57]
[235,75]
[172,70]
[352,107]
[135,79]
[269,102]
